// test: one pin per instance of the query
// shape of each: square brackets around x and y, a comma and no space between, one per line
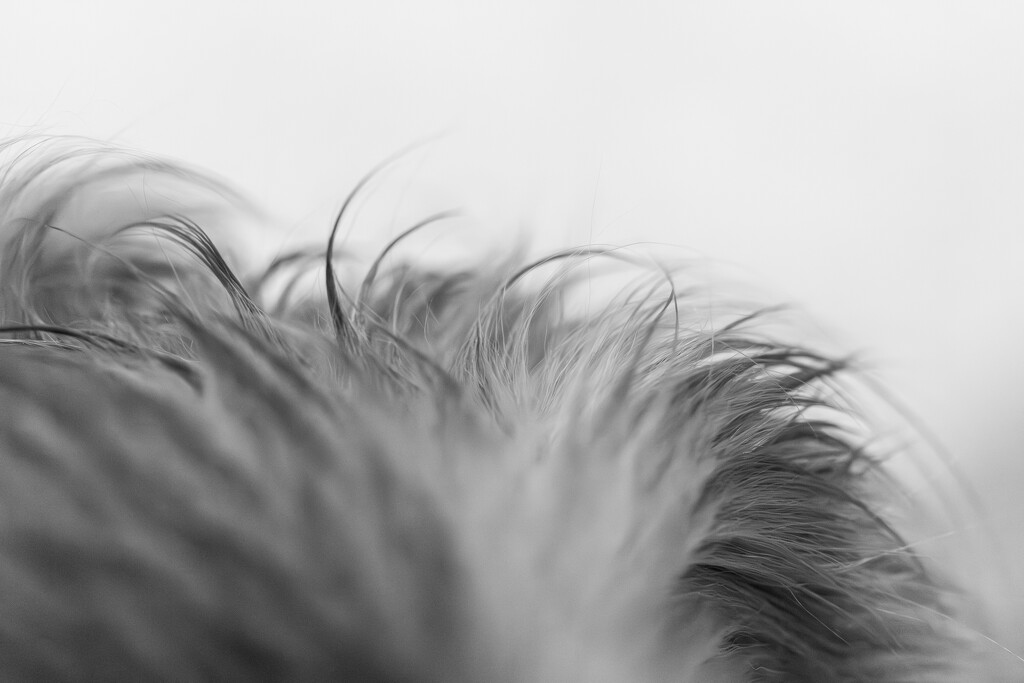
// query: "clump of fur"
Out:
[433,476]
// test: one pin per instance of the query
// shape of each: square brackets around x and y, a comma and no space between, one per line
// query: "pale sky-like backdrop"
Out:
[862,159]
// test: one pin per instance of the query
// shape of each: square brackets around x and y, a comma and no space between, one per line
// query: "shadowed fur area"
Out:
[418,474]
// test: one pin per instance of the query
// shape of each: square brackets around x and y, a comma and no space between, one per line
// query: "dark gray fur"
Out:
[450,477]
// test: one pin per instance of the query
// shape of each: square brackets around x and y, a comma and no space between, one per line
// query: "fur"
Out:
[423,475]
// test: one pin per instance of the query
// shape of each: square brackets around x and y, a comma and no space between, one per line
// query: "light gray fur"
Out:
[454,476]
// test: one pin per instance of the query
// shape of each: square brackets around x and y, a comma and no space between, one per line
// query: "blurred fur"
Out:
[422,476]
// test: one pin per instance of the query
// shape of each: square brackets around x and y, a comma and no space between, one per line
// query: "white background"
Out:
[864,159]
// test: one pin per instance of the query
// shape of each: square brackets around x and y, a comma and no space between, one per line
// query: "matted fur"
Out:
[431,476]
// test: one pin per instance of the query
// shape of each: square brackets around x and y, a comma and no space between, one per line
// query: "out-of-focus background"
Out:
[865,160]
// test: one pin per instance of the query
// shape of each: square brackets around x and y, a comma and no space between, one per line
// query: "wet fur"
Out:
[423,476]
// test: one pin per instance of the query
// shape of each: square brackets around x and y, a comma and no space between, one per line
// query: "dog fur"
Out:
[422,475]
